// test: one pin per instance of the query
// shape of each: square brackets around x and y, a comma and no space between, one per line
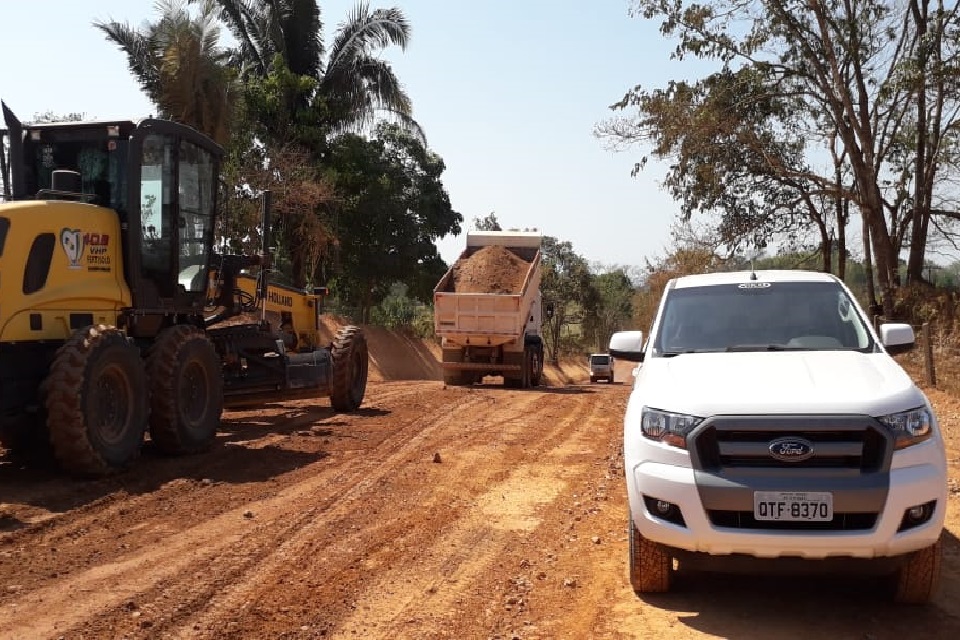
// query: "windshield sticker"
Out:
[754,285]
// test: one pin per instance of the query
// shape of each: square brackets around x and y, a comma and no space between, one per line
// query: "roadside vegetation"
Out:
[821,136]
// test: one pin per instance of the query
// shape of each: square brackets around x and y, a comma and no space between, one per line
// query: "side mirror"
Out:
[897,338]
[627,345]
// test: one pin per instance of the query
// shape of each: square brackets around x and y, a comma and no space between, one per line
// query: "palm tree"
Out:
[353,85]
[179,64]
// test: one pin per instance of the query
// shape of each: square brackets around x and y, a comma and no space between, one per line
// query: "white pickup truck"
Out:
[769,428]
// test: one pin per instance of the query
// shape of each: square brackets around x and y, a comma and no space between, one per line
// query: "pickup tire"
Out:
[651,566]
[917,580]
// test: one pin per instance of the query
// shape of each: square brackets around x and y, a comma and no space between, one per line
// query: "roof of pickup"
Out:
[735,277]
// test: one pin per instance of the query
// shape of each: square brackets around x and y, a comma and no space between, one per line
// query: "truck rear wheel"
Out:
[96,402]
[187,384]
[918,579]
[651,567]
[536,367]
[455,378]
[350,364]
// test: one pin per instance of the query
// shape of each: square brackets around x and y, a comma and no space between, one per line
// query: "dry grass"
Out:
[946,362]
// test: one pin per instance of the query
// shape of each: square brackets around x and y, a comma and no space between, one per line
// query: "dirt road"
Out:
[432,513]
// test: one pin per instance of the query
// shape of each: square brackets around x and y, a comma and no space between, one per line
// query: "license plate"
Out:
[792,506]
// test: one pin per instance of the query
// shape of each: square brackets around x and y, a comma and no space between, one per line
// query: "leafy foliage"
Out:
[179,64]
[566,286]
[852,80]
[487,223]
[388,225]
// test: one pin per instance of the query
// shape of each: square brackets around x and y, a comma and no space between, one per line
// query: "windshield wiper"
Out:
[763,347]
[671,354]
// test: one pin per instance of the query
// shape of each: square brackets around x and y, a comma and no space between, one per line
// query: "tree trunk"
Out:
[555,325]
[868,267]
[843,215]
[885,257]
[826,247]
[918,239]
[297,267]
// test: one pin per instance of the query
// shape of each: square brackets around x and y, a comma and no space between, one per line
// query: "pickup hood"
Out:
[705,384]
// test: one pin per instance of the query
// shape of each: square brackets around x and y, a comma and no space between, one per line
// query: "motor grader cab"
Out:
[109,328]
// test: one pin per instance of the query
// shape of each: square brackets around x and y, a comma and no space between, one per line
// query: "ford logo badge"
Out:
[791,449]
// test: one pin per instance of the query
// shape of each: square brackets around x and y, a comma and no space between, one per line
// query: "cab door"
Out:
[173,174]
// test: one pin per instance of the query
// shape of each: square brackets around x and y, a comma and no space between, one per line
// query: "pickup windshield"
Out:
[778,316]
[599,360]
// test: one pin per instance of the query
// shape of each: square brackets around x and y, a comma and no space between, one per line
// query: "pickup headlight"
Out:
[909,427]
[671,428]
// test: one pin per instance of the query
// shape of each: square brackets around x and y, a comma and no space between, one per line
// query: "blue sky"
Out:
[508,93]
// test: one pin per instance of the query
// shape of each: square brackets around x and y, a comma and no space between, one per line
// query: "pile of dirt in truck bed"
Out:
[489,270]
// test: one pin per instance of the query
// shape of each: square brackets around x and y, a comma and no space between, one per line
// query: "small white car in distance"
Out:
[769,425]
[601,367]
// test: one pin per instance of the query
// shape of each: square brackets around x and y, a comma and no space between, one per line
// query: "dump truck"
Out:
[487,310]
[118,318]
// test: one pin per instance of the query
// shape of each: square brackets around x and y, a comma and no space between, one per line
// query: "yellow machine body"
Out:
[293,312]
[61,268]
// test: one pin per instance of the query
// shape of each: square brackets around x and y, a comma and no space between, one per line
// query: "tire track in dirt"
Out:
[444,588]
[350,542]
[164,548]
[324,491]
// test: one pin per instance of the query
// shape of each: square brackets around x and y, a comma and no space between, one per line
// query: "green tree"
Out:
[179,64]
[487,223]
[611,308]
[353,83]
[850,70]
[387,226]
[566,286]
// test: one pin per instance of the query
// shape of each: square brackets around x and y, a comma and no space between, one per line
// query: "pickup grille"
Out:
[735,444]
[745,520]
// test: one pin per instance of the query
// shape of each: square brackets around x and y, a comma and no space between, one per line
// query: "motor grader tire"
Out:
[350,364]
[95,398]
[651,566]
[187,391]
[918,579]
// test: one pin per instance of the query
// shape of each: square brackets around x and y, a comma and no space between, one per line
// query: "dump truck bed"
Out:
[485,298]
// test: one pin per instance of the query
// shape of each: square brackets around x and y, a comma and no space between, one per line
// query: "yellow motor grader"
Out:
[117,318]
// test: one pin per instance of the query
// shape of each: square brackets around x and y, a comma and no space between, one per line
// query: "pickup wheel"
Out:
[651,566]
[918,579]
